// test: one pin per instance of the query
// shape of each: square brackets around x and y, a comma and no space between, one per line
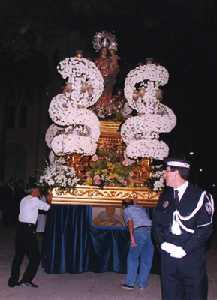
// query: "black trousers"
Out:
[184,279]
[25,244]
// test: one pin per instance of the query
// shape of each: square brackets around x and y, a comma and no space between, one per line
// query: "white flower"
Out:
[66,116]
[52,131]
[72,143]
[86,81]
[83,129]
[155,75]
[141,133]
[148,125]
[58,175]
[147,148]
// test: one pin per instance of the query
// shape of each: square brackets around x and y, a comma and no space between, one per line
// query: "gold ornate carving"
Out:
[110,137]
[113,196]
[78,162]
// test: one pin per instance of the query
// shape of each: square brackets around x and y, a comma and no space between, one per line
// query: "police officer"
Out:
[141,249]
[26,241]
[182,224]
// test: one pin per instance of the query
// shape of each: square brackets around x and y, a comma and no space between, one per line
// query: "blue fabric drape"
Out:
[108,249]
[73,245]
[65,247]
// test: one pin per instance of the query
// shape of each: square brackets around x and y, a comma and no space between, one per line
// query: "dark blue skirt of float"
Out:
[73,245]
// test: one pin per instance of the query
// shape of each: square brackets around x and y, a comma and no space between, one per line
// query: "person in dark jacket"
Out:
[182,225]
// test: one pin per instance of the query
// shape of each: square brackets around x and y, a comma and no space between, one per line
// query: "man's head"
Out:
[176,172]
[35,191]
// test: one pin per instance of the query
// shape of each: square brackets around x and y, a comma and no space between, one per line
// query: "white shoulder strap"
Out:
[179,218]
[198,207]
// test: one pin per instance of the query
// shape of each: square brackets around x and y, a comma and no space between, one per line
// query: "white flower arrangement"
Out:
[71,143]
[85,79]
[52,131]
[150,148]
[59,108]
[155,75]
[74,116]
[83,127]
[148,125]
[146,103]
[52,157]
[141,133]
[59,175]
[74,139]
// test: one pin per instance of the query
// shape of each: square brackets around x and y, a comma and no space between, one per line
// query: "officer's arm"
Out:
[204,226]
[198,239]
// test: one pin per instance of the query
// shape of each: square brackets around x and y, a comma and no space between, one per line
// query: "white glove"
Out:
[178,252]
[168,247]
[173,250]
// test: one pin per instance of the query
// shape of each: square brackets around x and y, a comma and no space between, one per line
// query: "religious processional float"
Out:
[101,152]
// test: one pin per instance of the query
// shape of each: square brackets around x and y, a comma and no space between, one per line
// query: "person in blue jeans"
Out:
[140,255]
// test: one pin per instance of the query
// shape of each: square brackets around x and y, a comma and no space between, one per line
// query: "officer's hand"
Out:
[166,247]
[178,252]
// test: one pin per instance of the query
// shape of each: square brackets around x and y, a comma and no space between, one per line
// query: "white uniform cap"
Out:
[176,163]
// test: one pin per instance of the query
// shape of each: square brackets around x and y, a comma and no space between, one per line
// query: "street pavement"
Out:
[84,286]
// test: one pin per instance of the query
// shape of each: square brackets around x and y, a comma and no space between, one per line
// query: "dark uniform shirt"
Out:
[197,220]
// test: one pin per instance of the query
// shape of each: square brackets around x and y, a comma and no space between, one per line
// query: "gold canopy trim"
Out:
[107,196]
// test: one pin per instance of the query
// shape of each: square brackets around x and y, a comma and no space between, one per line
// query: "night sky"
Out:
[179,34]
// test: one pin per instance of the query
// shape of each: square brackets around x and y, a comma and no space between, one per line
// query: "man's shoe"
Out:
[127,287]
[28,284]
[12,283]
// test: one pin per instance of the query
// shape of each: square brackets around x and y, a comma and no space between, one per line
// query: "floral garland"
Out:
[72,143]
[155,75]
[59,108]
[52,157]
[59,175]
[141,133]
[68,142]
[67,115]
[148,125]
[146,103]
[85,79]
[147,148]
[52,131]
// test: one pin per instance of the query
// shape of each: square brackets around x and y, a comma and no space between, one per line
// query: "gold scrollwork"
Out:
[90,195]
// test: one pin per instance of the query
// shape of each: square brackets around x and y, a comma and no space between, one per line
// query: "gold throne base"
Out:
[107,196]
